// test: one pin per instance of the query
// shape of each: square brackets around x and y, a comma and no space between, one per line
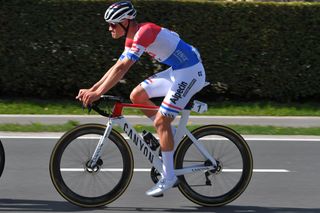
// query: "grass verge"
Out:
[8,106]
[245,130]
[38,127]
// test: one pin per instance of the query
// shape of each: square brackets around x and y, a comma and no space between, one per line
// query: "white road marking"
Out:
[148,170]
[266,138]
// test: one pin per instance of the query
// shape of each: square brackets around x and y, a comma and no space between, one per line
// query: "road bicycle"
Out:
[92,164]
[2,158]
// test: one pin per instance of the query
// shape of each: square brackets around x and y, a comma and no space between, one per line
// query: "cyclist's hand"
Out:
[89,97]
[81,94]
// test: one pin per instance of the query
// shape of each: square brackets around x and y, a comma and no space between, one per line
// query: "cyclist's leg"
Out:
[164,130]
[186,83]
[140,96]
[154,86]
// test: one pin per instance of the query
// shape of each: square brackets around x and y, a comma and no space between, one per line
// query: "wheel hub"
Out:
[216,170]
[95,168]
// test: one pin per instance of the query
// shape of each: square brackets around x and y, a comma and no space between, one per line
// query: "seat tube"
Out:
[101,144]
[181,127]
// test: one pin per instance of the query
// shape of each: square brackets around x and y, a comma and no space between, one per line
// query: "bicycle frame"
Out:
[140,144]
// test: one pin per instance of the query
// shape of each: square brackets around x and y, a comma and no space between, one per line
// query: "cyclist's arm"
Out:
[114,75]
[104,77]
[95,86]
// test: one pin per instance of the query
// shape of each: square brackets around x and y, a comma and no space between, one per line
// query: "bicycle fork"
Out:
[99,148]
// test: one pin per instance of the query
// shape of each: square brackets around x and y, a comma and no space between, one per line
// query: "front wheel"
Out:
[235,165]
[82,184]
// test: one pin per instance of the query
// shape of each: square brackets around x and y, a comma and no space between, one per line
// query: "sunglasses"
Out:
[112,25]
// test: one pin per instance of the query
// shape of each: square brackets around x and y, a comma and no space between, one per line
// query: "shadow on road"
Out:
[16,205]
[224,209]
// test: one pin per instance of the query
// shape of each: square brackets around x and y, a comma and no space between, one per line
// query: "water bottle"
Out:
[150,140]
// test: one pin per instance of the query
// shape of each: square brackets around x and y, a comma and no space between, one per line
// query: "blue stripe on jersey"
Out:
[122,57]
[171,110]
[182,57]
[132,56]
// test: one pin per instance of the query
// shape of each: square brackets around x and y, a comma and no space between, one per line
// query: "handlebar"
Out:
[100,111]
[104,98]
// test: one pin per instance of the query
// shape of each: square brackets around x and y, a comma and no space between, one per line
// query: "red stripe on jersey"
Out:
[128,42]
[146,34]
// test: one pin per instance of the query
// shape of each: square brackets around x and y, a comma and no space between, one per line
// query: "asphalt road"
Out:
[25,185]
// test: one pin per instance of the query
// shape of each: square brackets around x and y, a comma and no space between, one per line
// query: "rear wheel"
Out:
[235,165]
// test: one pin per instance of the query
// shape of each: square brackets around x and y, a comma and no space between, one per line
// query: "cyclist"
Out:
[177,84]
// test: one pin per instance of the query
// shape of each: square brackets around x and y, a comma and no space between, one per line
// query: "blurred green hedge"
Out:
[251,51]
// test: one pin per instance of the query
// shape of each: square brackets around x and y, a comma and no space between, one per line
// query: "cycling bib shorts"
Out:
[178,87]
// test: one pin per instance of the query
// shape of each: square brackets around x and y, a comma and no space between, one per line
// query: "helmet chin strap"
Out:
[126,29]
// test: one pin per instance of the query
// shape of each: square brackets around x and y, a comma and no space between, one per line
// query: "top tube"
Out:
[118,106]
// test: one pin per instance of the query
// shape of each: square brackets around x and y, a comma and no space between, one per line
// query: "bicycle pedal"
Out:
[161,195]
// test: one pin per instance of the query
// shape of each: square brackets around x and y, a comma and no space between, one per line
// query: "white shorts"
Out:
[178,87]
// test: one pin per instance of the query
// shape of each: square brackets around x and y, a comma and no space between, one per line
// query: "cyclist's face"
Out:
[116,30]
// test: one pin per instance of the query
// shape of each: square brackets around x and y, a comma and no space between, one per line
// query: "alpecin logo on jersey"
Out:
[177,95]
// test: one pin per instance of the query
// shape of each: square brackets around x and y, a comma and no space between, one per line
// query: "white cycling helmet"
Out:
[120,11]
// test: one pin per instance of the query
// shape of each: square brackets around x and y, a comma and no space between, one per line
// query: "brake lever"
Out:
[94,106]
[89,108]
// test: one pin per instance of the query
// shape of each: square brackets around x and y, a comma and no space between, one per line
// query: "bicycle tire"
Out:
[2,158]
[224,141]
[66,181]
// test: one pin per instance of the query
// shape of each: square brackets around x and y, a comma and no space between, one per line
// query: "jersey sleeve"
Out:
[133,53]
[142,39]
[124,54]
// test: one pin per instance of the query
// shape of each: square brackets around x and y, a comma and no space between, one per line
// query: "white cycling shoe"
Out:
[162,185]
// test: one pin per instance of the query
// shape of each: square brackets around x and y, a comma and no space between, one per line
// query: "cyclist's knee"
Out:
[138,95]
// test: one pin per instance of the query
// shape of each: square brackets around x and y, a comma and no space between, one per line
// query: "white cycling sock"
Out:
[168,170]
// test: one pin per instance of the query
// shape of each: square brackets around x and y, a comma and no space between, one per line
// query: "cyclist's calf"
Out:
[163,126]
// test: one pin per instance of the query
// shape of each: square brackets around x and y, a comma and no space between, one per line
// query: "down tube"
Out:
[139,143]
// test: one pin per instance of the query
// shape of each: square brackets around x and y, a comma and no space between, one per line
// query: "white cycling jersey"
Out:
[182,80]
